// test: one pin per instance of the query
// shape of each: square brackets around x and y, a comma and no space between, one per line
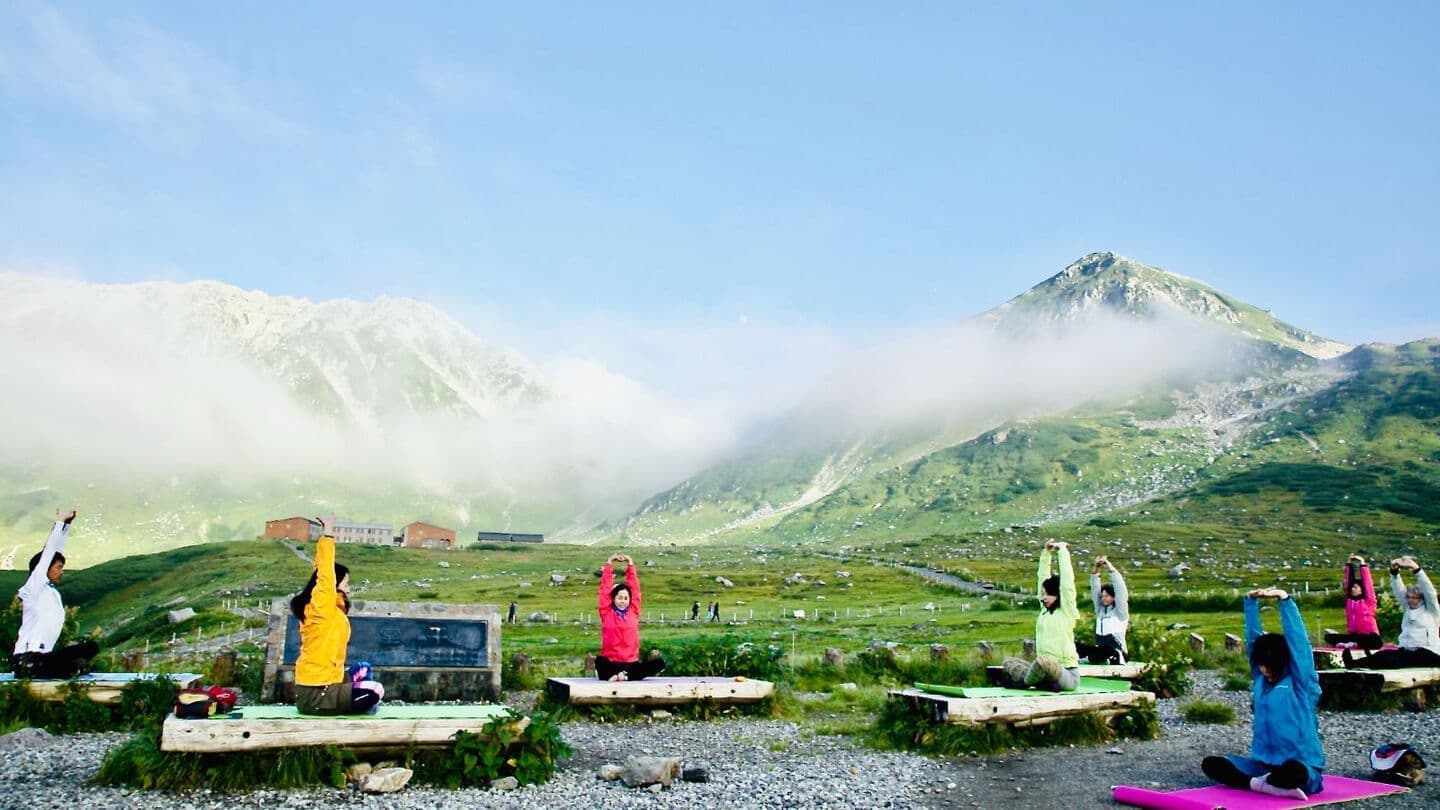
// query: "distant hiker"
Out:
[1285,754]
[42,615]
[322,685]
[619,606]
[714,611]
[1056,664]
[514,606]
[1112,616]
[1419,626]
[1360,627]
[695,610]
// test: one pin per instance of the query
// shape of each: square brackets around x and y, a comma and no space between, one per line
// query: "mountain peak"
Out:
[1105,281]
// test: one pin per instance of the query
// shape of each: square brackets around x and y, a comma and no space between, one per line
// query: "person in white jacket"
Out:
[42,615]
[1419,626]
[1112,617]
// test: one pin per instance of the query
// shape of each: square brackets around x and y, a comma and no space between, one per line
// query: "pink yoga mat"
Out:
[1217,797]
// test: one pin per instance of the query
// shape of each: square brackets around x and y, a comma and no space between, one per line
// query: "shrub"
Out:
[1209,711]
[530,754]
[1168,654]
[724,655]
[139,762]
[141,703]
[899,726]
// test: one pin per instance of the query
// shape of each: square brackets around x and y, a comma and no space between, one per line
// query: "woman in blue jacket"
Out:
[1285,754]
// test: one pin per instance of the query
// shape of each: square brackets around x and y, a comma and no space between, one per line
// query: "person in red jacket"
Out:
[1360,627]
[619,606]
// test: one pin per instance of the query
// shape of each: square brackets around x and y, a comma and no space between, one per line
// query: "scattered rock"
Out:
[505,783]
[610,772]
[651,770]
[725,582]
[834,657]
[177,616]
[657,787]
[386,780]
[661,714]
[27,738]
[539,616]
[558,579]
[355,773]
[696,773]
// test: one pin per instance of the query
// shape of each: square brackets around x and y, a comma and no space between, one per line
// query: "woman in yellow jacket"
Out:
[321,685]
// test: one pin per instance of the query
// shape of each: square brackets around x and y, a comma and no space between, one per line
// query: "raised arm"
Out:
[55,543]
[1253,629]
[632,581]
[1067,581]
[1397,587]
[1367,585]
[607,581]
[1427,590]
[1042,573]
[322,599]
[1122,593]
[1302,657]
[1095,591]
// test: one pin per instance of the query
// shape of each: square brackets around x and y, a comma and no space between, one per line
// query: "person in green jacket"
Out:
[1056,664]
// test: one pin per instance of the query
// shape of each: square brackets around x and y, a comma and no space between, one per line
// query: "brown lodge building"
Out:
[413,535]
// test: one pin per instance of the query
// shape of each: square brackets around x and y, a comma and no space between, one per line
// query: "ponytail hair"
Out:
[300,600]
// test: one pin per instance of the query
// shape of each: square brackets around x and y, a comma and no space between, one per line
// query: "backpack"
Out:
[1397,764]
[194,704]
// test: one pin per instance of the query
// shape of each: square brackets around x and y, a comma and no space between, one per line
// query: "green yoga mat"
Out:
[1088,686]
[460,712]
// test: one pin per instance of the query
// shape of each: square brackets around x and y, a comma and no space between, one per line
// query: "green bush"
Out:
[141,703]
[139,762]
[501,749]
[1209,711]
[1168,654]
[724,655]
[901,727]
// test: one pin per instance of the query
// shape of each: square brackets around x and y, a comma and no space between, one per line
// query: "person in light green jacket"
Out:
[1056,664]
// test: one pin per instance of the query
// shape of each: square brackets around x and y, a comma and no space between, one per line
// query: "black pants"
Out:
[1367,641]
[66,662]
[1105,650]
[1288,775]
[1397,659]
[605,669]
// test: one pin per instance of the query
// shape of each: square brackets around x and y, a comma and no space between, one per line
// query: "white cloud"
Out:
[132,73]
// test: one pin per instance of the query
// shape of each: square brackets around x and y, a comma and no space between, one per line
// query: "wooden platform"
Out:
[1124,672]
[1020,712]
[657,691]
[1383,680]
[257,728]
[101,687]
[1333,658]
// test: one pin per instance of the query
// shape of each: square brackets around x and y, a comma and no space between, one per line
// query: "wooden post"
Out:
[987,651]
[938,653]
[1233,643]
[223,670]
[1197,643]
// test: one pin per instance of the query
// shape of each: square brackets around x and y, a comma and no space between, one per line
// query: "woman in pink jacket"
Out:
[619,606]
[1360,627]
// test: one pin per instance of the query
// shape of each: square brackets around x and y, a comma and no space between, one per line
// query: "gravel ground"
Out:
[769,763]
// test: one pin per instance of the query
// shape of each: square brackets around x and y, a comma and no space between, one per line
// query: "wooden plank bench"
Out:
[1125,672]
[101,687]
[1020,712]
[256,728]
[1334,657]
[657,691]
[1388,680]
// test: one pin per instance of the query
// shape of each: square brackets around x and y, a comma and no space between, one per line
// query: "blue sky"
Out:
[695,193]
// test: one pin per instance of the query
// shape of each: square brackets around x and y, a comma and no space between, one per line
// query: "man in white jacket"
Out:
[43,615]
